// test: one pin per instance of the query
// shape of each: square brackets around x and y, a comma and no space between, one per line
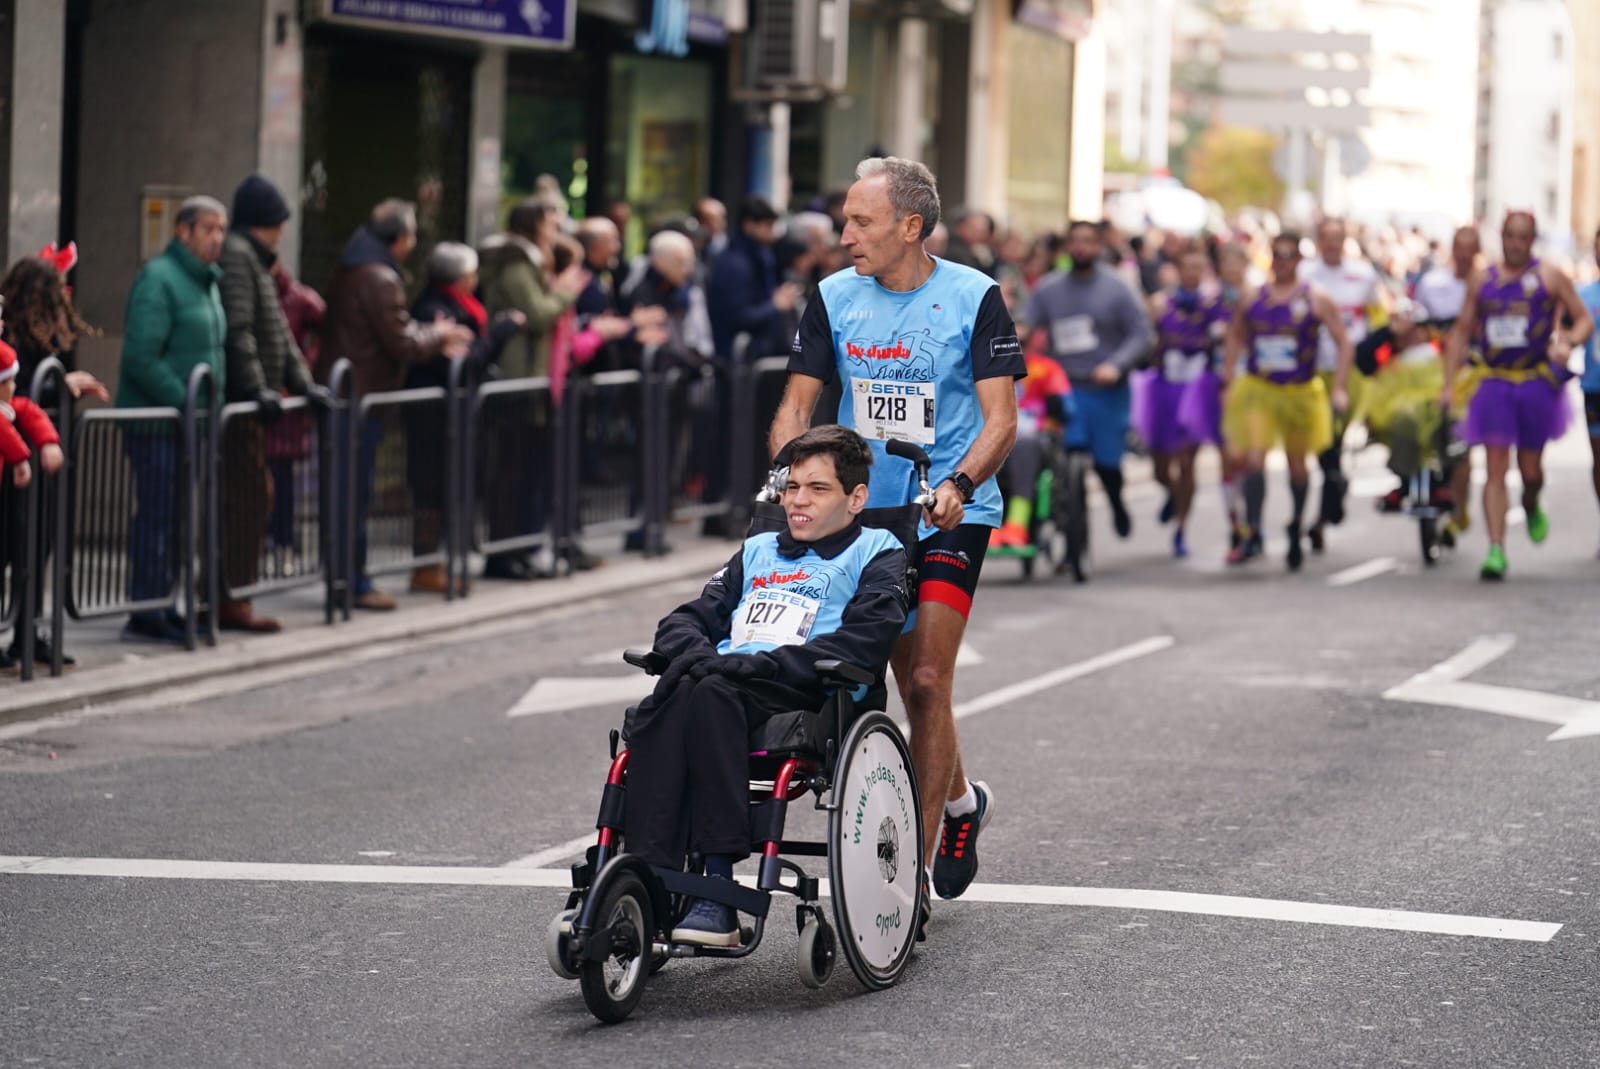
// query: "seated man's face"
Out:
[816,502]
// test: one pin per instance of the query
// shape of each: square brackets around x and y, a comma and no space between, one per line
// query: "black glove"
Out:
[682,667]
[319,396]
[271,404]
[735,666]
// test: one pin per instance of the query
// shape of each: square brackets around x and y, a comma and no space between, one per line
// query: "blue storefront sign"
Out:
[514,23]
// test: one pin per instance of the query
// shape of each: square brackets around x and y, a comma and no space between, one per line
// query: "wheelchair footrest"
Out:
[727,892]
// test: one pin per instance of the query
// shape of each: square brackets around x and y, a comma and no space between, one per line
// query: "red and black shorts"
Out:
[948,564]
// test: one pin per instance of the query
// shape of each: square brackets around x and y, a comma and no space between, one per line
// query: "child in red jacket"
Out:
[23,422]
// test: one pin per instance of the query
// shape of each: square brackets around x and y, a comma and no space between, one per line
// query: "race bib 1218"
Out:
[885,409]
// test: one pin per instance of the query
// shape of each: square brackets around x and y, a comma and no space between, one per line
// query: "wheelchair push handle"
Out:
[919,460]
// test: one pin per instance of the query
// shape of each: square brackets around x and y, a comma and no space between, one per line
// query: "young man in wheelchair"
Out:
[826,588]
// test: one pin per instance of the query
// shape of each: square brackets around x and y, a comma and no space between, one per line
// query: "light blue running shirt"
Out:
[909,364]
[1590,296]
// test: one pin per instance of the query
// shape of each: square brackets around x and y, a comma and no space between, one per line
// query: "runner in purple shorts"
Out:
[1188,327]
[1513,309]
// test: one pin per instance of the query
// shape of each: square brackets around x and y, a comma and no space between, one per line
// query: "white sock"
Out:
[967,803]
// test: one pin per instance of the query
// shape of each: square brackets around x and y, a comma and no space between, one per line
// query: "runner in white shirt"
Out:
[1441,293]
[1355,289]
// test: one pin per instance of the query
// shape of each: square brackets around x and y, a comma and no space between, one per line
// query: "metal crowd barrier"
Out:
[511,469]
[164,508]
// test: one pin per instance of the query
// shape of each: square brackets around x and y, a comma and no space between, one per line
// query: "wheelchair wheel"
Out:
[1073,514]
[613,985]
[1428,528]
[875,851]
[558,944]
[818,952]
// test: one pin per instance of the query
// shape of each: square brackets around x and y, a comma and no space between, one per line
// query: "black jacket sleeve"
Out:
[996,352]
[696,627]
[872,621]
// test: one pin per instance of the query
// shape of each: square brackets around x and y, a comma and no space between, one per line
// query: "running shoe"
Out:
[1014,535]
[1494,566]
[1297,552]
[1180,548]
[957,861]
[1538,526]
[1248,549]
[995,539]
[1120,520]
[708,924]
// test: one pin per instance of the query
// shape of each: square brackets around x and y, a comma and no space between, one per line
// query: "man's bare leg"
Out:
[924,663]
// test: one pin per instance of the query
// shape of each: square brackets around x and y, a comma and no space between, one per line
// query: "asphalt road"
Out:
[1255,757]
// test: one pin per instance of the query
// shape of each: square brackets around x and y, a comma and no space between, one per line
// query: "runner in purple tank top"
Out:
[1513,310]
[1280,398]
[1189,326]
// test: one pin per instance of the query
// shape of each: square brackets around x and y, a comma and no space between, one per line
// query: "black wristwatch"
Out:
[963,485]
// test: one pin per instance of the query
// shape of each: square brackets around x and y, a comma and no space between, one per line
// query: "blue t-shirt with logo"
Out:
[909,364]
[1590,296]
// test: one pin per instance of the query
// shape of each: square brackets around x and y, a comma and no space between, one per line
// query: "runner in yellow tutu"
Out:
[1279,399]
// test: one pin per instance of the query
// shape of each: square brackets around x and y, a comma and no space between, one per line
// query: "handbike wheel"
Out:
[875,851]
[1075,514]
[1428,527]
[613,985]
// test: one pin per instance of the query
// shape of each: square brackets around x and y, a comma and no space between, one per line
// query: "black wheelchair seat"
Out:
[806,732]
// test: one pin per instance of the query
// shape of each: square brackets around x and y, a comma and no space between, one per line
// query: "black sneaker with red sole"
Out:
[956,864]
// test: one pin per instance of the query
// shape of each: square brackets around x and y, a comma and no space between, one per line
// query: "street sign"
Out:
[1269,114]
[515,23]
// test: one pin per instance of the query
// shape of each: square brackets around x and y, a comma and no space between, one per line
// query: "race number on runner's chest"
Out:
[1074,334]
[886,409]
[774,617]
[1276,354]
[1507,332]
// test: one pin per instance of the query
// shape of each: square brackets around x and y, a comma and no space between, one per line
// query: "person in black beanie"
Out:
[263,365]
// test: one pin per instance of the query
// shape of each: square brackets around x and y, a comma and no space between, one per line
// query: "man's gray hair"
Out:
[813,228]
[451,261]
[912,188]
[192,209]
[392,219]
[670,244]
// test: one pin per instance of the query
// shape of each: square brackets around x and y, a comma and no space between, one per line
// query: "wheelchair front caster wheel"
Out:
[613,981]
[558,944]
[817,953]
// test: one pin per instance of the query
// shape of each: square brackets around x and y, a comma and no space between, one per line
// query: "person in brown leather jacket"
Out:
[368,324]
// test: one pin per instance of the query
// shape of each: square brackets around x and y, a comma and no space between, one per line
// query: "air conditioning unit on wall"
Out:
[798,48]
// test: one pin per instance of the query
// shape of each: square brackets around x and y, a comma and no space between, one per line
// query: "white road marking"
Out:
[1442,685]
[1268,909]
[997,698]
[966,655]
[1362,572]
[561,694]
[559,852]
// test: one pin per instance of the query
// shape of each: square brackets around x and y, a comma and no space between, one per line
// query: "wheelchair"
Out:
[616,928]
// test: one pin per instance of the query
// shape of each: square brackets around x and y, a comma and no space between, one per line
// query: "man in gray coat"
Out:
[263,364]
[1098,333]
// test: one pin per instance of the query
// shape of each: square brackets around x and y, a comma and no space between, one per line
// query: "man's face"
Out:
[712,217]
[1330,243]
[204,236]
[816,502]
[675,269]
[764,232]
[404,245]
[1192,270]
[1285,261]
[270,236]
[1464,248]
[877,241]
[1084,246]
[975,230]
[1516,240]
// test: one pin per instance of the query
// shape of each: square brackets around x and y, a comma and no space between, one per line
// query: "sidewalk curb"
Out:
[93,686]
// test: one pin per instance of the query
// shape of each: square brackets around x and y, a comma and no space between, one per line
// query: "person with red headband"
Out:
[1514,309]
